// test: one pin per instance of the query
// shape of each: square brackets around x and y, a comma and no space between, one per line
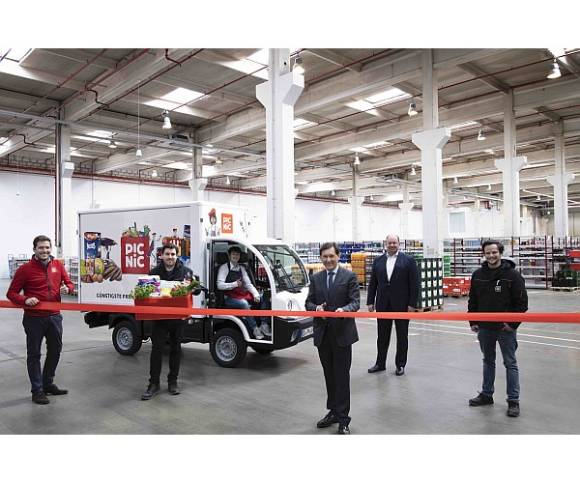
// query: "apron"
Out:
[238,293]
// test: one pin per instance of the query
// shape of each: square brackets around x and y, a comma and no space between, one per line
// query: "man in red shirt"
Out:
[42,279]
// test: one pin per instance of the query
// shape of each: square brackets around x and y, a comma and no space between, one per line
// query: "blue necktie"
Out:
[330,279]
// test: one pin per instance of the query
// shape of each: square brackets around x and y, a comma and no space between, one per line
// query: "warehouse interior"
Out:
[443,146]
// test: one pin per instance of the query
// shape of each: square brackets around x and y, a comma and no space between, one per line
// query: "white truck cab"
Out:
[118,246]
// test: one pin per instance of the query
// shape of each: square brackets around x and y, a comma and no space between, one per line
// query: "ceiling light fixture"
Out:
[154,173]
[371,198]
[228,182]
[218,161]
[455,180]
[332,193]
[555,72]
[481,136]
[488,187]
[538,197]
[356,160]
[166,120]
[413,172]
[112,144]
[298,67]
[139,153]
[412,109]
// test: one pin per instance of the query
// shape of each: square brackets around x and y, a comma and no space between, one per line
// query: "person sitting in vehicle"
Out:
[234,281]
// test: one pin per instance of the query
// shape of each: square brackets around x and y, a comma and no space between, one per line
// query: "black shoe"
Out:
[513,409]
[151,391]
[54,390]
[376,368]
[400,371]
[481,400]
[343,429]
[40,398]
[327,420]
[173,388]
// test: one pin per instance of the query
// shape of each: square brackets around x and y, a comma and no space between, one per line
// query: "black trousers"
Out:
[336,363]
[384,329]
[38,328]
[162,329]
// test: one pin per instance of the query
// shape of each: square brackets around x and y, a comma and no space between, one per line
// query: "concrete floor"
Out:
[284,393]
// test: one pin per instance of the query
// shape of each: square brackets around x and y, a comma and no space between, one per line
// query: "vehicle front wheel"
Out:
[127,338]
[228,347]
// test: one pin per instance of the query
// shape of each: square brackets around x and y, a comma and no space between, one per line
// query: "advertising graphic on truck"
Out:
[119,247]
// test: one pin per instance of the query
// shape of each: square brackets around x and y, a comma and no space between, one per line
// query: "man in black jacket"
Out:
[394,287]
[335,290]
[497,287]
[171,269]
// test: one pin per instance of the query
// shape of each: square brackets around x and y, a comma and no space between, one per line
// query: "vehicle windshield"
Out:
[288,270]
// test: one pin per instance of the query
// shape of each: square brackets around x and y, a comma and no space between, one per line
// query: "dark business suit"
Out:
[394,295]
[334,336]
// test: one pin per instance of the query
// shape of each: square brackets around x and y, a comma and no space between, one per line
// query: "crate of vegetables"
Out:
[154,293]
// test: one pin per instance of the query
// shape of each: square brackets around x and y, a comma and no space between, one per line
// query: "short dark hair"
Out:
[40,238]
[234,248]
[168,246]
[492,242]
[327,245]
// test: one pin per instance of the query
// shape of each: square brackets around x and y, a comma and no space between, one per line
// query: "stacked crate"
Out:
[456,286]
[569,275]
[358,262]
[369,260]
[431,283]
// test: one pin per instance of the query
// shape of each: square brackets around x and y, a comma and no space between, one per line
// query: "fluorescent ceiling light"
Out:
[248,66]
[96,134]
[555,72]
[145,163]
[261,56]
[463,125]
[166,121]
[390,95]
[302,182]
[228,182]
[379,144]
[356,160]
[178,165]
[359,149]
[17,54]
[300,123]
[182,96]
[481,136]
[363,106]
[154,173]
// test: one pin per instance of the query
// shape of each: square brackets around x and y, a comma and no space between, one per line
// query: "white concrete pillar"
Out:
[278,95]
[431,141]
[356,202]
[445,216]
[65,213]
[560,180]
[406,206]
[510,167]
[197,183]
[510,170]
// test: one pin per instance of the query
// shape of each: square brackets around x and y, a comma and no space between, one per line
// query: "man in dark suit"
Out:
[335,290]
[394,287]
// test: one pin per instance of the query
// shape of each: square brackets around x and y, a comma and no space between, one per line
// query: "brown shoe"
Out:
[40,398]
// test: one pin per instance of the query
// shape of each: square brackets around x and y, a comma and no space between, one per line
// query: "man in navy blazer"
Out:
[335,290]
[394,287]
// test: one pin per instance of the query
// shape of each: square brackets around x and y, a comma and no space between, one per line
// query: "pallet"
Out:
[429,309]
[565,289]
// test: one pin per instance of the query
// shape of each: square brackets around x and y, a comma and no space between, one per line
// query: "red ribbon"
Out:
[534,317]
